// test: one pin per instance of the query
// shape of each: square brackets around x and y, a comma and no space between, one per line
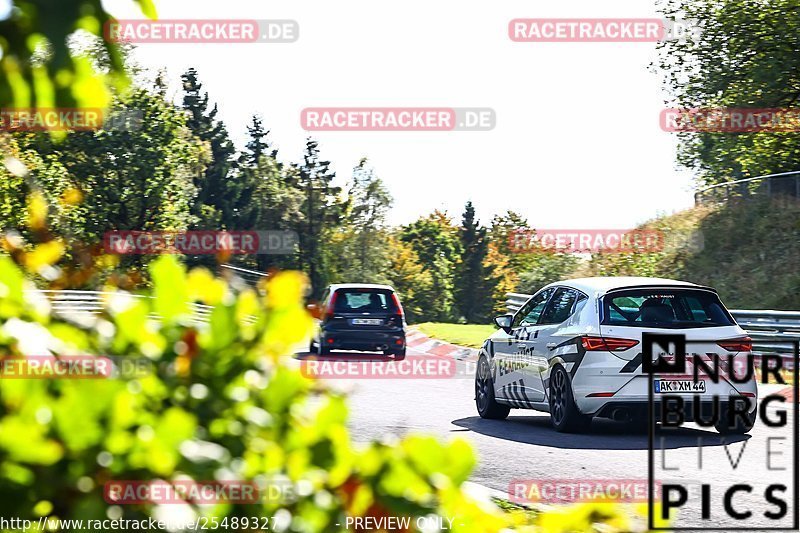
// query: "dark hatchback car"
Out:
[357,316]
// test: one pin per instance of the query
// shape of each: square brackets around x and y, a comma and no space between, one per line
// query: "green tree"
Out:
[25,171]
[436,242]
[38,68]
[532,268]
[274,203]
[360,251]
[324,209]
[131,179]
[499,279]
[412,281]
[502,233]
[258,144]
[472,301]
[222,199]
[744,56]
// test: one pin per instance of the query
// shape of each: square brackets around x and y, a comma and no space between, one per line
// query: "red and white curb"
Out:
[420,342]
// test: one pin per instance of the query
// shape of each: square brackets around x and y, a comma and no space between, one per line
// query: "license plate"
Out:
[669,386]
[367,322]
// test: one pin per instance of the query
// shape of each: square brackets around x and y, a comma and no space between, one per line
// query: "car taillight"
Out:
[397,306]
[612,344]
[394,321]
[329,310]
[742,344]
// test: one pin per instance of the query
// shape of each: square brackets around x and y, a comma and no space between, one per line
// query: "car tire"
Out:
[564,413]
[324,350]
[484,394]
[399,355]
[739,428]
[312,347]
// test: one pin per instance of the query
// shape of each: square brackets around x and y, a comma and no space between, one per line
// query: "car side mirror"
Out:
[504,322]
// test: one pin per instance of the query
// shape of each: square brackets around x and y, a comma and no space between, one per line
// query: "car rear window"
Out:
[665,308]
[364,301]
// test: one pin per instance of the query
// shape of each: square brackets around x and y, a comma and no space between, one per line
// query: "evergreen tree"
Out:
[323,209]
[221,198]
[471,299]
[257,144]
[274,203]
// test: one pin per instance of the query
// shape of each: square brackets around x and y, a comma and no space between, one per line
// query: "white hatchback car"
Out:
[574,349]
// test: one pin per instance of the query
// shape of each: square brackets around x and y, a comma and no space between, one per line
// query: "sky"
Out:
[577,142]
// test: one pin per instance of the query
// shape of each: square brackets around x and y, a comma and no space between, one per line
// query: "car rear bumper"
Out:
[601,380]
[635,394]
[641,409]
[370,340]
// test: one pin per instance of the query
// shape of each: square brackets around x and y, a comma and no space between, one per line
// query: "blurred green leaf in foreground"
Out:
[221,402]
[38,68]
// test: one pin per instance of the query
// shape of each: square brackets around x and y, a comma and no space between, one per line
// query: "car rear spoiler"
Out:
[665,287]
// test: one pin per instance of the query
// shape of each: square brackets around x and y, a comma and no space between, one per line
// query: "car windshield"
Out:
[364,301]
[665,308]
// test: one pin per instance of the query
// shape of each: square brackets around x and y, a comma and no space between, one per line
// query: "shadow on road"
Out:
[603,434]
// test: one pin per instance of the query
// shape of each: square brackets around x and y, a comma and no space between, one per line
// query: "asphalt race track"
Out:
[525,447]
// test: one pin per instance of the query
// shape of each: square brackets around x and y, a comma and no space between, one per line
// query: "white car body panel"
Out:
[521,361]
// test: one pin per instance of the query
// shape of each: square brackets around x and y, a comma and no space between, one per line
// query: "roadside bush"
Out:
[745,249]
[215,402]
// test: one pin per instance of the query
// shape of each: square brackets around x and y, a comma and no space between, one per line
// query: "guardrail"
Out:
[782,184]
[79,305]
[771,331]
[515,300]
[251,277]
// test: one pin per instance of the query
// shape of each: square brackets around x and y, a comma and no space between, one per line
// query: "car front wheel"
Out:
[484,394]
[564,414]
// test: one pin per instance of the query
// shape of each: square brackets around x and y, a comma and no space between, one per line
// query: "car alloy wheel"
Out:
[484,394]
[482,384]
[558,398]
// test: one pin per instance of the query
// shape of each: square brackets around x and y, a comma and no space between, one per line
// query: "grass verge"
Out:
[470,335]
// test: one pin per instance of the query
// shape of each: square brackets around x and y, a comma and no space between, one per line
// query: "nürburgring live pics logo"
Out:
[743,497]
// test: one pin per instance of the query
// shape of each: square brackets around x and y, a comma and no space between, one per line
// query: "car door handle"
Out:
[551,345]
